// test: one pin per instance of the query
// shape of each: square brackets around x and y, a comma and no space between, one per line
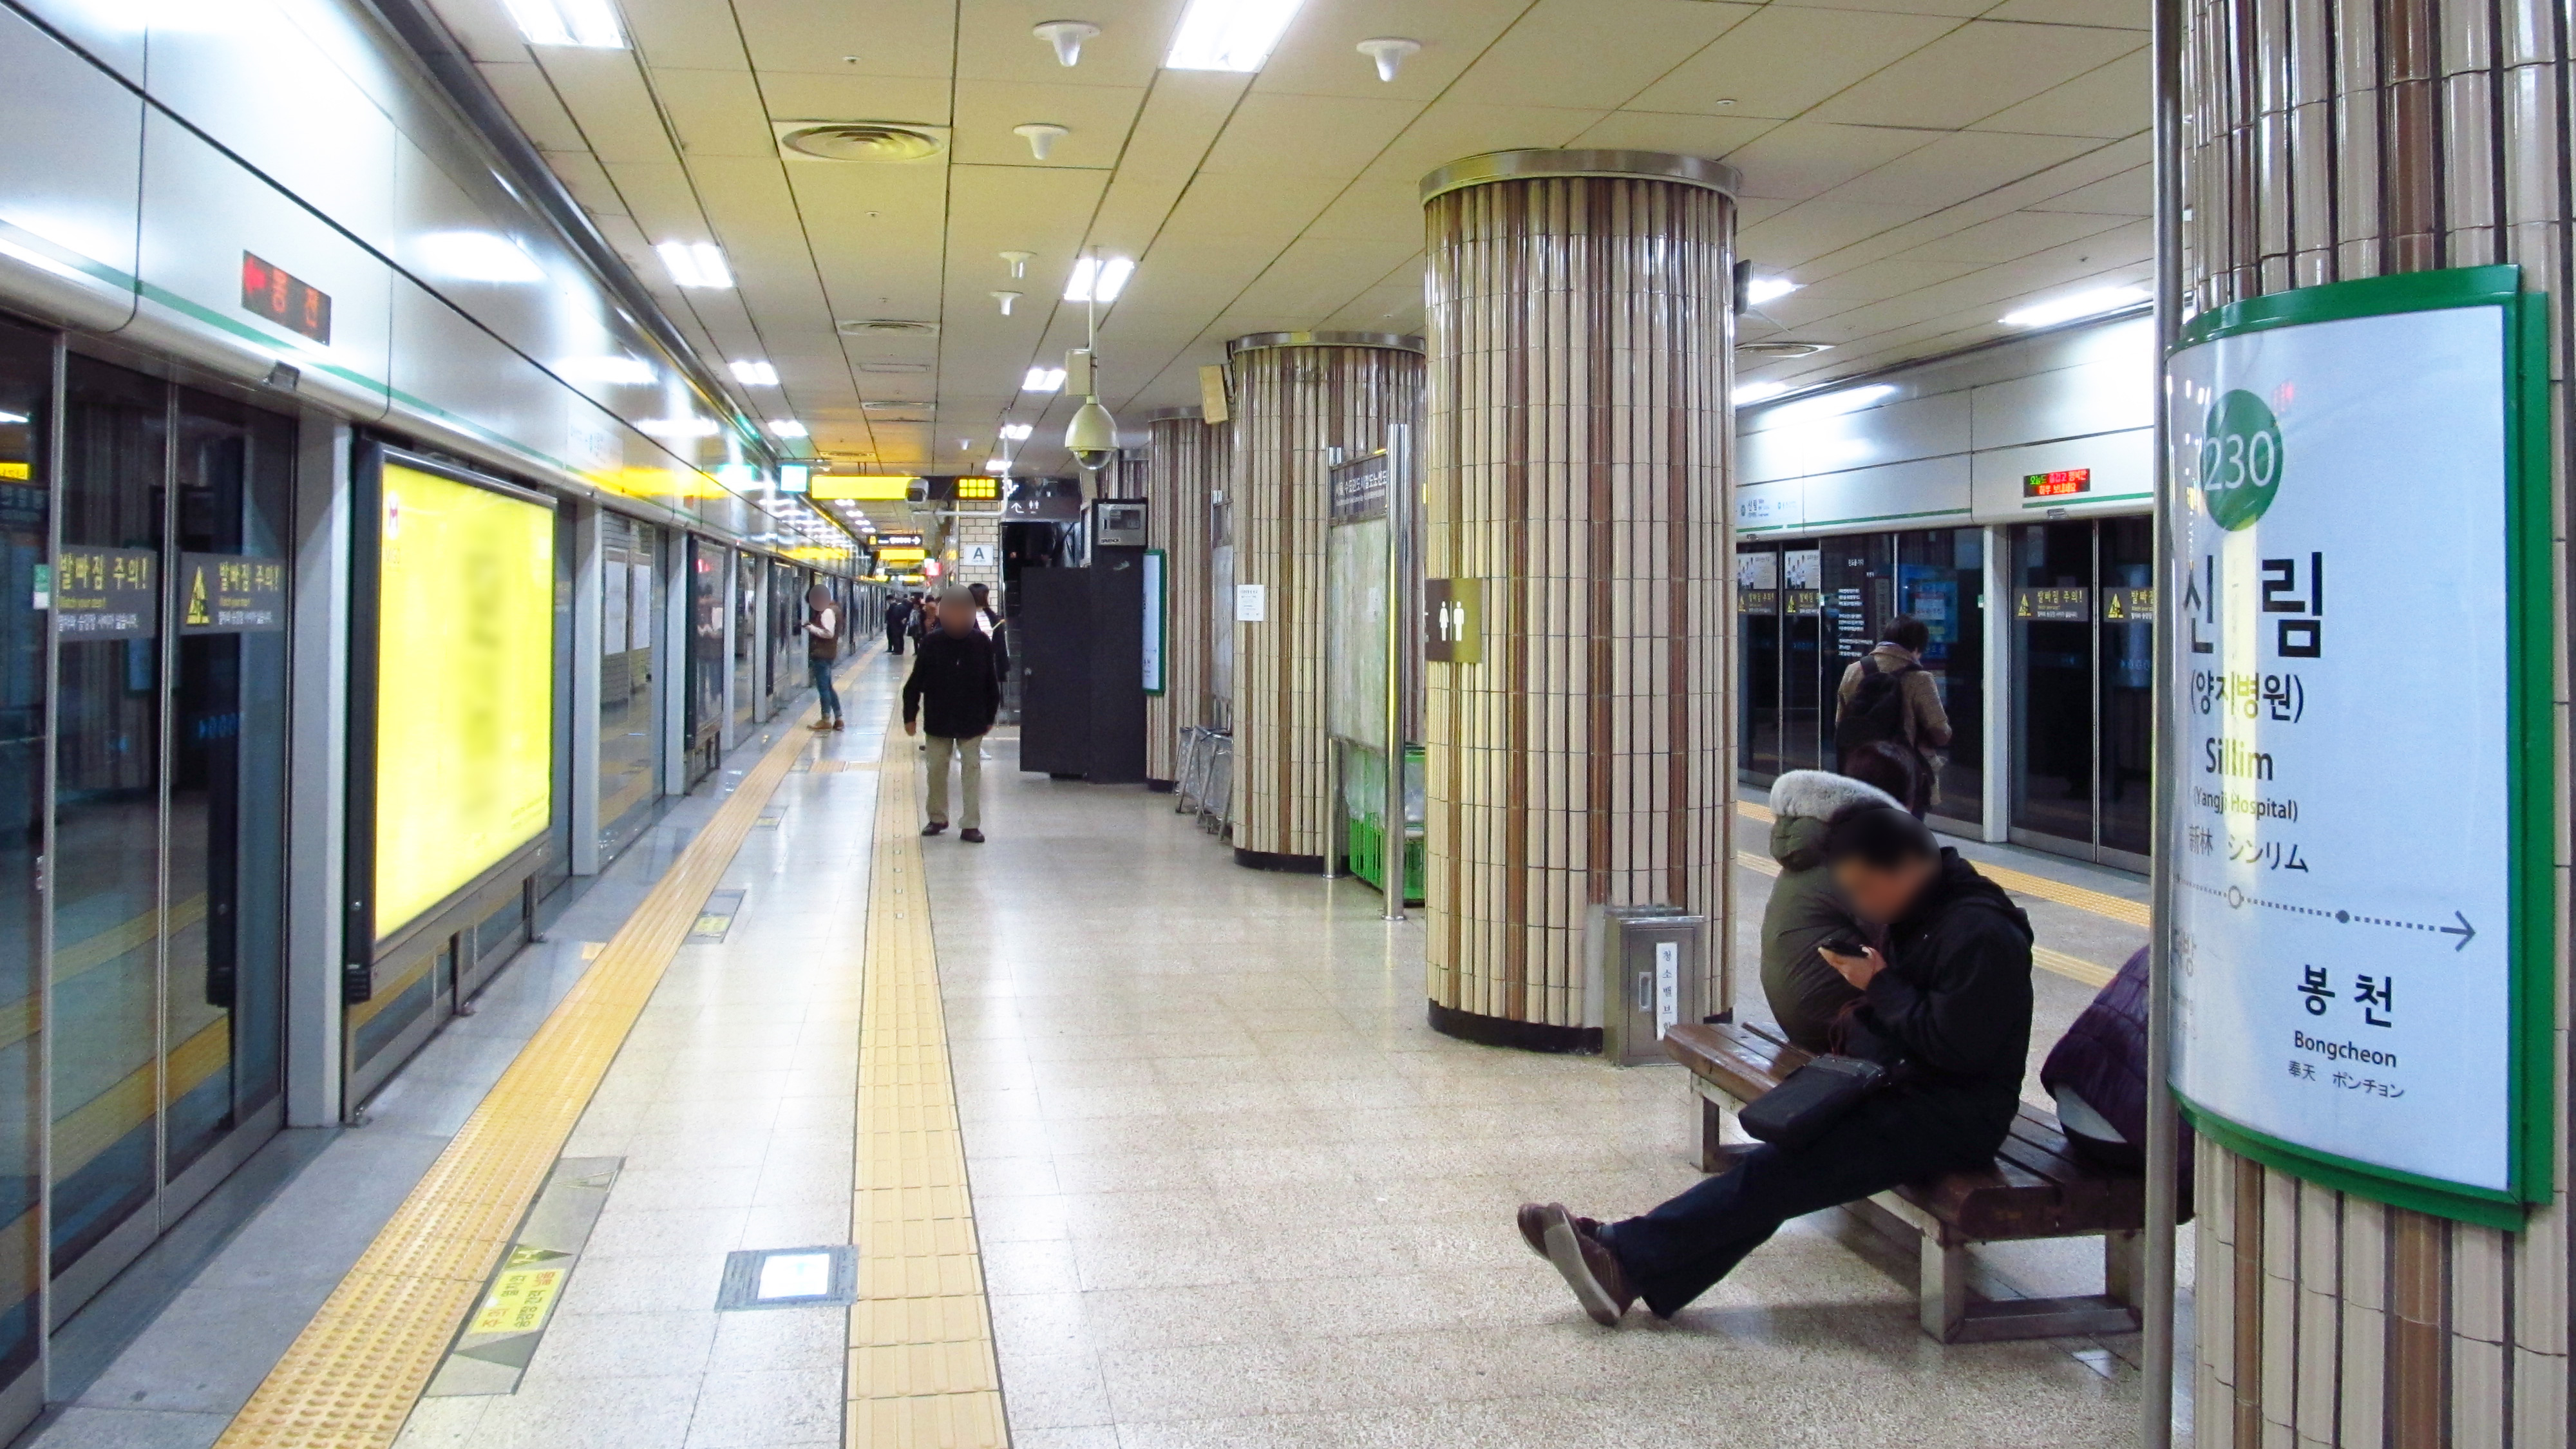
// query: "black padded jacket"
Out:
[1952,1010]
[953,688]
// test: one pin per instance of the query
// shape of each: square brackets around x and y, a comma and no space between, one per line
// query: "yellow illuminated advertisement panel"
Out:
[464,686]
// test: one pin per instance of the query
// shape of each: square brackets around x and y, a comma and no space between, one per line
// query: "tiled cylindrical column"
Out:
[1578,455]
[1184,464]
[2326,141]
[1298,396]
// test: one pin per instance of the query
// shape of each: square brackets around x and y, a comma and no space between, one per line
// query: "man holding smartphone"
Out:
[1945,1008]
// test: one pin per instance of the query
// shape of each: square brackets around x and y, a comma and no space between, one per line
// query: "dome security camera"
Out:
[1092,437]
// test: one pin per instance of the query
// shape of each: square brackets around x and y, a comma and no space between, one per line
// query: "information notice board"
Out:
[2360,829]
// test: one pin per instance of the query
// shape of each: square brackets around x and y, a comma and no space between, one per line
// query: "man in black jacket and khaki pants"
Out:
[1945,1007]
[954,691]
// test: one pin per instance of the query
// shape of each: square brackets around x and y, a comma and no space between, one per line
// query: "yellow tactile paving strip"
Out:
[352,1376]
[922,1372]
[2100,903]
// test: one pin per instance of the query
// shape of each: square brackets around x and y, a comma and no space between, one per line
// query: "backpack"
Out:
[1876,710]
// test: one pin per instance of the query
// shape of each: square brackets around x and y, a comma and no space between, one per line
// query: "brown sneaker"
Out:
[1533,1224]
[1586,1265]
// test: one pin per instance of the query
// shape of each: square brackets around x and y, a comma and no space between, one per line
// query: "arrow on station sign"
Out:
[2463,930]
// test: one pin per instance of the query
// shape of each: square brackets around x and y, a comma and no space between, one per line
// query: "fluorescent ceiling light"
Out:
[2074,305]
[7,419]
[1768,289]
[755,374]
[695,264]
[479,256]
[786,428]
[792,477]
[678,427]
[624,371]
[997,466]
[1229,34]
[1042,379]
[1012,431]
[738,475]
[1749,393]
[1095,280]
[588,23]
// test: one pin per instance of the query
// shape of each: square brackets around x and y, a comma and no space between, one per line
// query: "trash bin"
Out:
[1645,976]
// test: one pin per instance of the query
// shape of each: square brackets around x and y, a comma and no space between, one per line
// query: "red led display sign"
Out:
[2064,483]
[287,301]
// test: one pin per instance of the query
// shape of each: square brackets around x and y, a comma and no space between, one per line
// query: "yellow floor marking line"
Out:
[351,1378]
[922,1372]
[2073,968]
[2100,903]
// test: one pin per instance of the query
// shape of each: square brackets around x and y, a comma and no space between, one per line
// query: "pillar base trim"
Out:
[1273,860]
[1501,1031]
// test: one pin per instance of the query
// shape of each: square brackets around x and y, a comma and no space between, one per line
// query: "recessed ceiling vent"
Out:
[893,405]
[860,140]
[885,327]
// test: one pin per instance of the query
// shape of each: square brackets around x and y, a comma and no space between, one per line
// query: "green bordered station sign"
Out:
[2360,838]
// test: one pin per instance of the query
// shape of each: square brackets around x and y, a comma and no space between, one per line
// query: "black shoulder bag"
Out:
[1810,1100]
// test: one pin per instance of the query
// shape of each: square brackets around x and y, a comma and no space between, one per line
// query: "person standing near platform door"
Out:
[898,613]
[822,650]
[953,693]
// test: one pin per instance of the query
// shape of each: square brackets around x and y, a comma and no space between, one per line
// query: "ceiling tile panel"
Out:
[715,112]
[2130,193]
[1811,229]
[608,100]
[1787,58]
[1529,62]
[1711,136]
[1800,159]
[1957,167]
[851,37]
[700,34]
[791,95]
[1320,57]
[2015,235]
[1098,118]
[523,88]
[995,44]
[1297,135]
[1974,71]
[2105,102]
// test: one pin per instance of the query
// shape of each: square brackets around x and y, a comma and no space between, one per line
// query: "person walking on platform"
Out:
[1887,696]
[822,650]
[953,694]
[898,615]
[1944,1011]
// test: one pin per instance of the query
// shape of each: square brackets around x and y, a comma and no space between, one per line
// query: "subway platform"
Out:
[801,1129]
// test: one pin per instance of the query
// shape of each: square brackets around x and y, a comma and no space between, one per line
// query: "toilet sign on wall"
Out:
[2362,812]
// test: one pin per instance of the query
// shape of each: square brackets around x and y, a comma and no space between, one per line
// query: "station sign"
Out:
[1359,487]
[2062,483]
[2362,919]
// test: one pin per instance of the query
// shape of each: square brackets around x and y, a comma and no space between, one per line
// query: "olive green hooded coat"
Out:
[1805,911]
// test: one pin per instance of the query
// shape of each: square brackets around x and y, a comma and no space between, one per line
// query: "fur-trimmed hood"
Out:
[1804,804]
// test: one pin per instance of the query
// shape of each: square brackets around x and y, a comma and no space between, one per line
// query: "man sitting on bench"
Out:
[1946,1010]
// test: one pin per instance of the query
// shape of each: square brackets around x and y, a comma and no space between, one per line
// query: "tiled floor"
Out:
[1233,1191]
[1230,1189]
[731,1106]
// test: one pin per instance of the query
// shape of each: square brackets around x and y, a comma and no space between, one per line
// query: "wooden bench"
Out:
[2035,1189]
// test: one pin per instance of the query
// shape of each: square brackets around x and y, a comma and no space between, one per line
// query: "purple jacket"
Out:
[2103,1057]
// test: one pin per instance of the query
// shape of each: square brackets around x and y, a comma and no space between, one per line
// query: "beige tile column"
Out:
[1298,397]
[1185,462]
[1578,453]
[2326,141]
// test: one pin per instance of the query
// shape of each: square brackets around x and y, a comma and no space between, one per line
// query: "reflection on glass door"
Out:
[2127,645]
[1941,581]
[227,842]
[107,806]
[1757,613]
[746,643]
[706,656]
[2083,609]
[630,734]
[1803,658]
[26,391]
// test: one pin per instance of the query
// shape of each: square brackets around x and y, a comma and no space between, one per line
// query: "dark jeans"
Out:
[894,639]
[1679,1251]
[821,669]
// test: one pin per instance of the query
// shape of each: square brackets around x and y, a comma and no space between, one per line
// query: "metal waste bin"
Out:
[1645,974]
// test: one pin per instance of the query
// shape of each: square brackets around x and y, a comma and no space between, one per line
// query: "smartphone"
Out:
[1851,946]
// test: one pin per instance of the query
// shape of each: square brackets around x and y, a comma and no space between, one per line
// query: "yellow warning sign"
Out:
[197,611]
[519,1301]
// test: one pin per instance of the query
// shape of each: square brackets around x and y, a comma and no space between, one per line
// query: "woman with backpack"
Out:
[1887,696]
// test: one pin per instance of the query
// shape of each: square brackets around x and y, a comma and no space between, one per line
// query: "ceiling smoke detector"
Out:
[1784,349]
[885,327]
[860,140]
